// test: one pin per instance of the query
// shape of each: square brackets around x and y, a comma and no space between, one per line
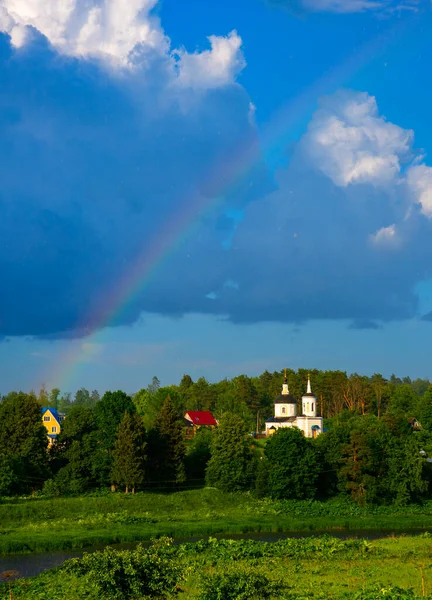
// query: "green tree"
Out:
[129,453]
[74,454]
[153,387]
[185,383]
[65,403]
[82,398]
[94,397]
[231,466]
[424,409]
[262,478]
[43,396]
[109,412]
[23,442]
[54,398]
[408,473]
[293,465]
[171,444]
[199,453]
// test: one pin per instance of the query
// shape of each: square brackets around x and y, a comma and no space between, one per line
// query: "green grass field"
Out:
[313,568]
[43,524]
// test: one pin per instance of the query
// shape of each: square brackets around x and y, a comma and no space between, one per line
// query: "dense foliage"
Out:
[375,449]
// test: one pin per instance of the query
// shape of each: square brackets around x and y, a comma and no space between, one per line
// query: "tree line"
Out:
[375,449]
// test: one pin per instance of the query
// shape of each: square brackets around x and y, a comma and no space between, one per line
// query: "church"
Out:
[285,412]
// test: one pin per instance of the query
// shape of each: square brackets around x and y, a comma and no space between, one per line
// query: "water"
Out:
[29,565]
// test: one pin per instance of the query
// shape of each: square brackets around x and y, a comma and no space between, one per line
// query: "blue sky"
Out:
[213,188]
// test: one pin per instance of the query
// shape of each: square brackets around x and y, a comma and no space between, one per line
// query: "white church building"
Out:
[285,412]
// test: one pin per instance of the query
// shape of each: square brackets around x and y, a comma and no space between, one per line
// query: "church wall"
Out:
[285,410]
[306,424]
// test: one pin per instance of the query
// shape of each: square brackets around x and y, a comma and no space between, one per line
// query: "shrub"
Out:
[381,592]
[240,585]
[140,573]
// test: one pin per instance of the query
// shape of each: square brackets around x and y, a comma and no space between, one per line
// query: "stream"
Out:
[30,565]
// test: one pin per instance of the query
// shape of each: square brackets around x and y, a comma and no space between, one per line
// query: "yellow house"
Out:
[52,421]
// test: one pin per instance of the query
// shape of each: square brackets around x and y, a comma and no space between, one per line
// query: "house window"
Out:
[46,418]
[283,410]
[54,429]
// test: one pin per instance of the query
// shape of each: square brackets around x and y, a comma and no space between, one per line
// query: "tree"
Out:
[74,456]
[153,387]
[129,452]
[23,442]
[172,447]
[262,478]
[231,466]
[200,396]
[109,411]
[82,398]
[424,410]
[54,398]
[94,397]
[293,465]
[378,386]
[185,383]
[43,397]
[64,403]
[199,453]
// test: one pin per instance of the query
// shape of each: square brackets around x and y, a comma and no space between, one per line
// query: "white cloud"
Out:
[350,142]
[212,68]
[419,179]
[121,33]
[385,235]
[107,28]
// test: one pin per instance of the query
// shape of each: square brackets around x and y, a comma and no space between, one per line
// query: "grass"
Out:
[317,568]
[49,524]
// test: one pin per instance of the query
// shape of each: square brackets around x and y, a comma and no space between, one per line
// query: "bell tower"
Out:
[309,403]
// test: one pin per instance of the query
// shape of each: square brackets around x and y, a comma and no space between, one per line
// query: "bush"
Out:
[141,573]
[381,592]
[241,585]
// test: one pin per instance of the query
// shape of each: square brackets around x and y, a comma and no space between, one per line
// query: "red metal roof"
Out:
[201,417]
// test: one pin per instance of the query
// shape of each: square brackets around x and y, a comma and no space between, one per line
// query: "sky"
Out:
[213,188]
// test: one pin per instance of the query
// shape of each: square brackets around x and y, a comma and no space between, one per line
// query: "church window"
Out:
[312,406]
[283,410]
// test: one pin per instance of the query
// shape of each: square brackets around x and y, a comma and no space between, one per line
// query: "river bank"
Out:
[56,524]
[32,565]
[317,567]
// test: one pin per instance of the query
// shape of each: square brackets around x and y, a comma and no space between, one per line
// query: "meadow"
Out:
[48,524]
[397,568]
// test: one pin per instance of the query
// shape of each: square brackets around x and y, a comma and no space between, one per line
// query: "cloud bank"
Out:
[107,134]
[346,234]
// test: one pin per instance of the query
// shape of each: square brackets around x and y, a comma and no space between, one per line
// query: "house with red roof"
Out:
[194,419]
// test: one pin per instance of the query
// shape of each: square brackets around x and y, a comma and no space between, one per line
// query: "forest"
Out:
[375,449]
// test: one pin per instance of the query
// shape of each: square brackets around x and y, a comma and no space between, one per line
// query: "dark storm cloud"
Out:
[91,166]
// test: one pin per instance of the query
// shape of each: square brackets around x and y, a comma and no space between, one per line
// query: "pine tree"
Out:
[129,452]
[171,443]
[232,461]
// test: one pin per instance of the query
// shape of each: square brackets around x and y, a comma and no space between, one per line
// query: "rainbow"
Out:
[222,178]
